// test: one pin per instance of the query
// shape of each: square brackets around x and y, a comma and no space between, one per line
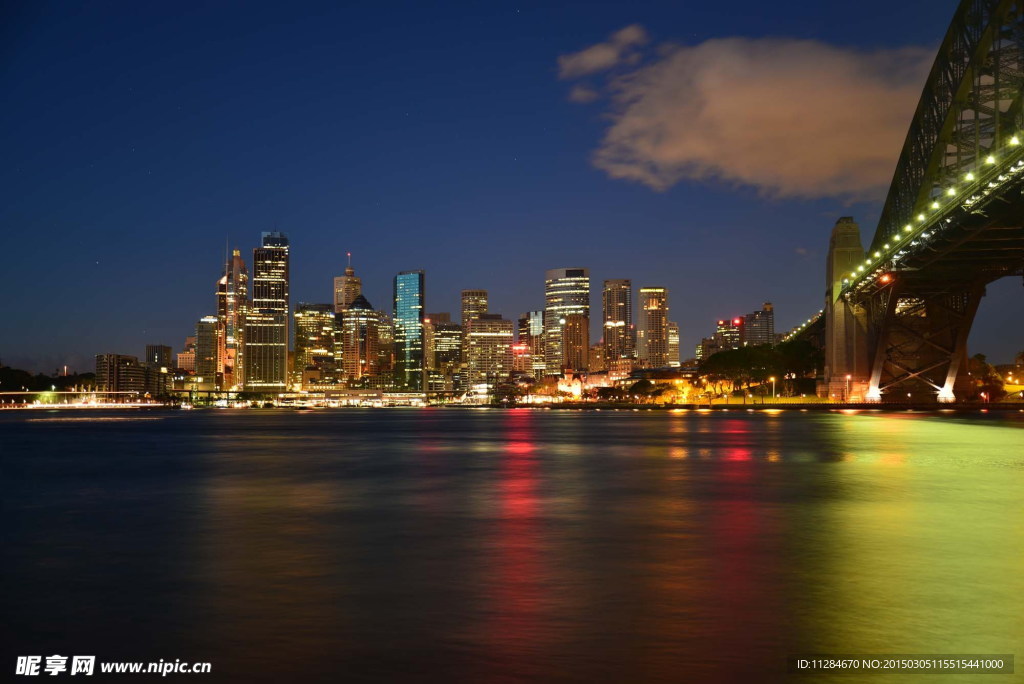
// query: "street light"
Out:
[773,386]
[846,397]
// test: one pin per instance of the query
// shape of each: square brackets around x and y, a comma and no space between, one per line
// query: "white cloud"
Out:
[792,118]
[618,50]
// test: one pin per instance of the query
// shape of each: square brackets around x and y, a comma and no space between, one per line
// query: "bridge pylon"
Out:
[847,368]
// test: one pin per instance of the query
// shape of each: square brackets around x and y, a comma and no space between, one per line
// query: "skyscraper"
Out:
[531,332]
[347,287]
[489,355]
[232,311]
[315,341]
[617,301]
[474,303]
[206,352]
[730,334]
[652,331]
[266,330]
[674,359]
[566,292]
[360,341]
[576,342]
[408,335]
[759,326]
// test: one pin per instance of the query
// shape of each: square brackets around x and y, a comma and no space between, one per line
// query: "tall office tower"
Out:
[674,360]
[386,343]
[409,361]
[206,352]
[347,287]
[489,339]
[474,303]
[232,310]
[576,342]
[652,331]
[598,361]
[360,341]
[566,292]
[159,355]
[447,343]
[617,301]
[187,358]
[531,332]
[315,339]
[730,334]
[759,326]
[266,328]
[428,343]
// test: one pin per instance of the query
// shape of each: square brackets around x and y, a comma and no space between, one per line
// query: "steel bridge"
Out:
[897,315]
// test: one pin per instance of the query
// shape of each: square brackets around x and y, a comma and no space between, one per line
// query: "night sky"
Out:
[706,147]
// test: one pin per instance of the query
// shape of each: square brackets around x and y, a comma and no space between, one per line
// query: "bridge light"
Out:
[907,228]
[990,159]
[969,176]
[935,205]
[886,278]
[951,191]
[885,246]
[878,254]
[1015,140]
[860,269]
[920,217]
[853,275]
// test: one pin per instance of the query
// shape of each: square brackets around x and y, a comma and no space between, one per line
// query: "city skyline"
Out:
[507,179]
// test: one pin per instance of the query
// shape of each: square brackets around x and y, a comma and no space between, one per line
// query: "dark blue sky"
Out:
[136,137]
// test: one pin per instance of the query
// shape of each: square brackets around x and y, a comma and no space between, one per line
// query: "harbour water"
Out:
[511,545]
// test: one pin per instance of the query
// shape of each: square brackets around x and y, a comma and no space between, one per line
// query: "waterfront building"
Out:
[447,358]
[759,326]
[315,344]
[186,359]
[598,361]
[576,342]
[408,331]
[531,333]
[652,331]
[207,341]
[617,309]
[232,311]
[266,329]
[124,373]
[674,359]
[347,287]
[360,341]
[566,293]
[489,339]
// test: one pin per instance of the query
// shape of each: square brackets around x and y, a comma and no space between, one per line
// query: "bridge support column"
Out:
[846,357]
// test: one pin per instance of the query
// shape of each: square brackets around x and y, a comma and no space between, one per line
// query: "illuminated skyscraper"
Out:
[576,342]
[531,333]
[652,332]
[566,292]
[408,326]
[206,352]
[489,354]
[759,326]
[315,342]
[347,287]
[266,329]
[360,341]
[474,303]
[232,311]
[617,300]
[730,334]
[673,345]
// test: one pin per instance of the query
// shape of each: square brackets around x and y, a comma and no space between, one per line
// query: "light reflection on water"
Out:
[512,545]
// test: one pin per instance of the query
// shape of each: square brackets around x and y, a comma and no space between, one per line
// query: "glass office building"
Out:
[408,331]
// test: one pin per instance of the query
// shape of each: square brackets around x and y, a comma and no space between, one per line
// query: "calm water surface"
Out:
[486,545]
